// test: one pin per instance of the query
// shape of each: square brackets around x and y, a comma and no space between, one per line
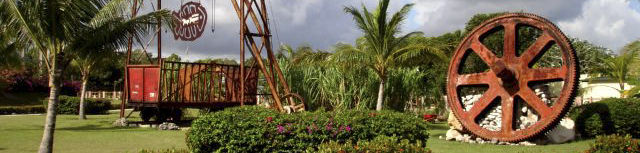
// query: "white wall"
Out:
[601,88]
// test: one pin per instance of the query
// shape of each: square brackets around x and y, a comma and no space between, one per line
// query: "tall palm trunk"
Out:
[81,112]
[46,145]
[380,94]
[621,83]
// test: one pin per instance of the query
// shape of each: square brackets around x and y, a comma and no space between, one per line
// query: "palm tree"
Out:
[620,67]
[57,27]
[379,49]
[88,62]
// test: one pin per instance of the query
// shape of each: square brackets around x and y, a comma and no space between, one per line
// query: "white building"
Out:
[595,89]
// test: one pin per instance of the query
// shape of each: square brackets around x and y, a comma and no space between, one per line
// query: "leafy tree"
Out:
[139,56]
[9,57]
[379,49]
[219,61]
[173,58]
[57,27]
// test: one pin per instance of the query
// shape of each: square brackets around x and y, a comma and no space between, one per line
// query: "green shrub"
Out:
[70,105]
[33,109]
[614,143]
[378,144]
[589,119]
[608,116]
[256,129]
[625,114]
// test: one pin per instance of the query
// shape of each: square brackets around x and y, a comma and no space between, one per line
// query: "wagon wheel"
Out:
[146,113]
[296,103]
[509,76]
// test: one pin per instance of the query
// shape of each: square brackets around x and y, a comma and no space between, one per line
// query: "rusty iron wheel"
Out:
[508,77]
[295,101]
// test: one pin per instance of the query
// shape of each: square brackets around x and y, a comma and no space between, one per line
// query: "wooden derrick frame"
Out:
[244,10]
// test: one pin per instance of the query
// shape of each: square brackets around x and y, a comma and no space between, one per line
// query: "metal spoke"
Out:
[536,48]
[482,103]
[546,74]
[510,38]
[474,79]
[535,102]
[485,54]
[507,114]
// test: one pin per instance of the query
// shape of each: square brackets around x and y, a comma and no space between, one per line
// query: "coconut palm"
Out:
[88,62]
[58,27]
[379,49]
[620,68]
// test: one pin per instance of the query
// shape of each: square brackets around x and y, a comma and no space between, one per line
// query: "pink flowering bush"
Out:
[22,81]
[256,129]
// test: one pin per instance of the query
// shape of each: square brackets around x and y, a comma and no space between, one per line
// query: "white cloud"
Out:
[436,17]
[609,23]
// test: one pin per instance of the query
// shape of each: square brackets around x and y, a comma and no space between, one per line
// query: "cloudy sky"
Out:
[322,23]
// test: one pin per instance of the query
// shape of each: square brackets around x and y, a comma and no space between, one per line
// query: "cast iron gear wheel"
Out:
[508,77]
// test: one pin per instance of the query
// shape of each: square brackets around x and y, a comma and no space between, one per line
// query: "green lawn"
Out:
[438,145]
[23,133]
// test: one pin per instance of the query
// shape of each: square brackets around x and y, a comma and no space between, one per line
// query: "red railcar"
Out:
[171,85]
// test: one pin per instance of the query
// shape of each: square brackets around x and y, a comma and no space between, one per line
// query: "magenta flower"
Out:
[280,129]
[348,128]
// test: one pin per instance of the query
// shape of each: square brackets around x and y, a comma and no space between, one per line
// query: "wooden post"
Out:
[242,36]
[134,11]
[159,34]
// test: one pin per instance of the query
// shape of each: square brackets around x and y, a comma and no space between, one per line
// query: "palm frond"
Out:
[115,34]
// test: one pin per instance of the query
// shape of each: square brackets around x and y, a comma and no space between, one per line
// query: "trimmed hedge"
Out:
[608,116]
[256,129]
[70,105]
[33,109]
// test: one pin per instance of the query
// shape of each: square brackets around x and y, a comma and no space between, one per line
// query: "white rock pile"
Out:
[493,120]
[526,117]
[168,126]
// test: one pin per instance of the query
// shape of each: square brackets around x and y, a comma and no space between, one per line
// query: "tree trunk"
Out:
[621,83]
[46,145]
[380,94]
[82,106]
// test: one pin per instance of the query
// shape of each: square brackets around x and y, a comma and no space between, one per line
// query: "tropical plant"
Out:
[619,67]
[88,62]
[57,27]
[9,57]
[379,49]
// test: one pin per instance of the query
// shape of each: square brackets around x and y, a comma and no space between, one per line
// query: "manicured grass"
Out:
[438,145]
[23,133]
